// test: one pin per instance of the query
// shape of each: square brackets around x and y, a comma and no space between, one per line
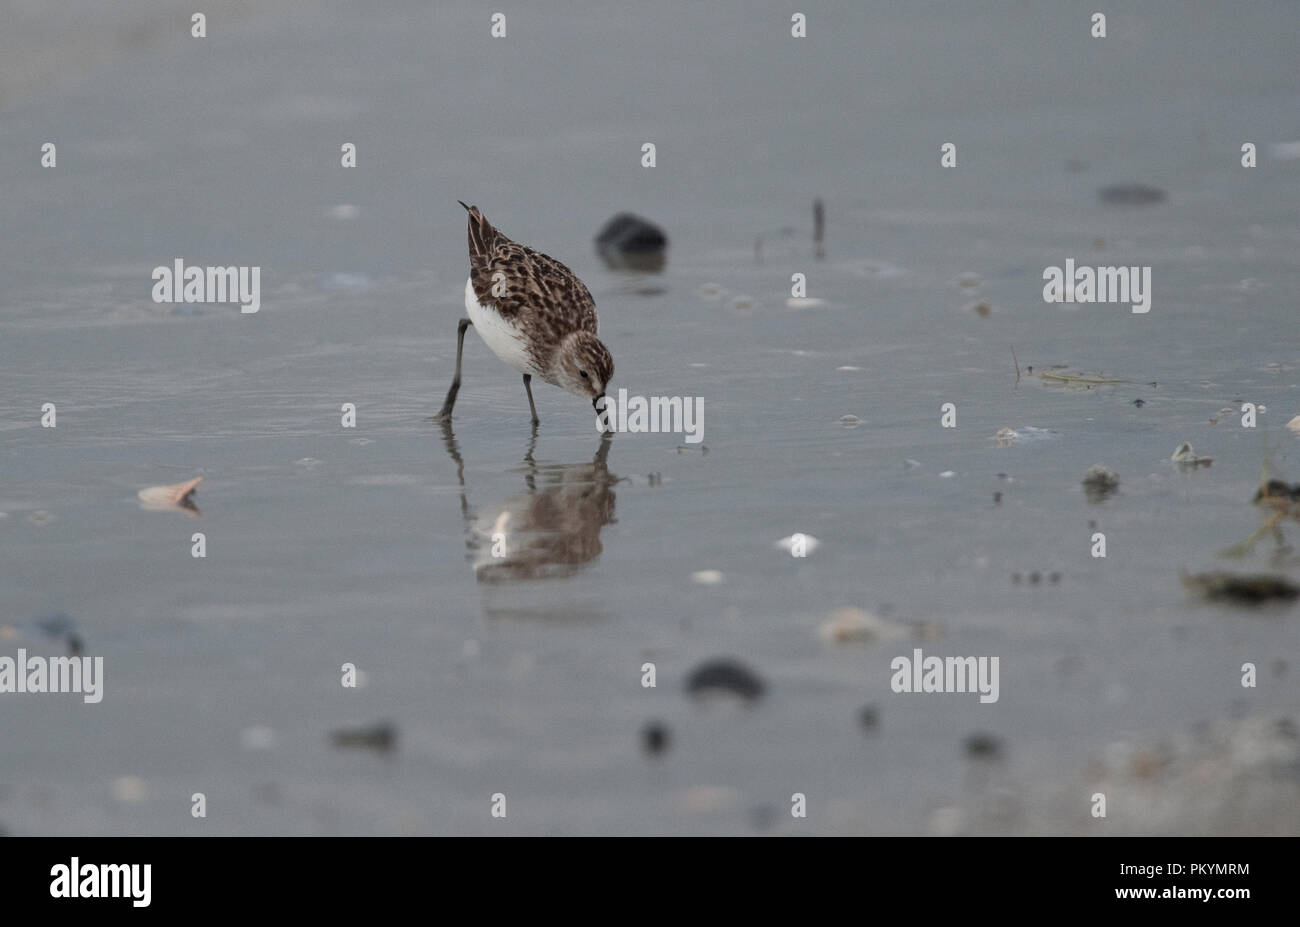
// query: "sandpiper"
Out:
[534,313]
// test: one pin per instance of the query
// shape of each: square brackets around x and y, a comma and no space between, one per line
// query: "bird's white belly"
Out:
[505,340]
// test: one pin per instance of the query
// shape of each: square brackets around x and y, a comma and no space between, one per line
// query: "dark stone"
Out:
[629,234]
[869,718]
[724,675]
[630,242]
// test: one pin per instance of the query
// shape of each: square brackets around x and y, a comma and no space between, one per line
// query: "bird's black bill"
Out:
[597,400]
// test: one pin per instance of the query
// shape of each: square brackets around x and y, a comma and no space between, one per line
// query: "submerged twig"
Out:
[1076,378]
[819,228]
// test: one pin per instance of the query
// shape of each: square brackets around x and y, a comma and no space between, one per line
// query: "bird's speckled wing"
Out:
[528,287]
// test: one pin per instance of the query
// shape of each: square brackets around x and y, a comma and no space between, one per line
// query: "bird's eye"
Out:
[583,373]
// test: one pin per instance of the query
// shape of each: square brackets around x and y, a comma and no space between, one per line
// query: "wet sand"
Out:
[328,545]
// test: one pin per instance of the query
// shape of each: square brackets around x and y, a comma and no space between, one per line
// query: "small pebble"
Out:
[725,676]
[654,737]
[381,737]
[869,718]
[983,746]
[130,790]
[853,624]
[1131,194]
[1139,402]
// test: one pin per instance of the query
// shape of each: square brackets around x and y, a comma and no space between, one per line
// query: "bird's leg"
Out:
[445,414]
[532,446]
[528,388]
[530,475]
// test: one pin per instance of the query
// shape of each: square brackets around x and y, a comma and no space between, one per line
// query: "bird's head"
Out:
[583,366]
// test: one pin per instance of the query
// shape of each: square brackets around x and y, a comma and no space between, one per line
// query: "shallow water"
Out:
[328,545]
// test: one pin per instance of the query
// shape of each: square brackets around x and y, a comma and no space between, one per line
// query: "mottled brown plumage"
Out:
[534,313]
[534,291]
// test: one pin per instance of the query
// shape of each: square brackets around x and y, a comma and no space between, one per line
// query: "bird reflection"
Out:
[551,529]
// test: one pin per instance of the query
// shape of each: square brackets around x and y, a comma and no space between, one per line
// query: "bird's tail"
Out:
[482,236]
